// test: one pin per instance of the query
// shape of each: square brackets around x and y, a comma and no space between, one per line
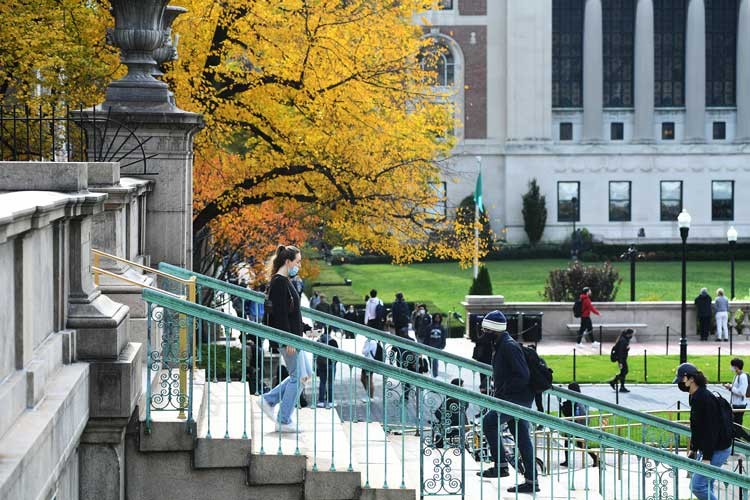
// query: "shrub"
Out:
[534,213]
[482,285]
[565,285]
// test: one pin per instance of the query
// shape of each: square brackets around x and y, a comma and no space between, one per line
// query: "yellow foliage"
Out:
[320,102]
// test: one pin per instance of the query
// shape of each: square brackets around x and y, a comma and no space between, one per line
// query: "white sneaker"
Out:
[289,428]
[321,404]
[266,407]
[579,345]
[594,344]
[330,406]
[365,399]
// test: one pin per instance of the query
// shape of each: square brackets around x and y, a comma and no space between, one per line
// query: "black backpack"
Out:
[379,352]
[726,428]
[613,353]
[540,375]
[380,313]
[577,308]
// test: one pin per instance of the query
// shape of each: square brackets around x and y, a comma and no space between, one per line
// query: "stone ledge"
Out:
[43,176]
[221,453]
[277,469]
[116,384]
[41,439]
[390,494]
[330,485]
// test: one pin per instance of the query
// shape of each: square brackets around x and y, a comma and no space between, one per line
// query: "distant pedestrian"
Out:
[374,311]
[450,420]
[721,305]
[739,390]
[703,307]
[579,414]
[421,321]
[483,350]
[619,355]
[325,307]
[337,308]
[400,314]
[436,339]
[326,370]
[314,300]
[370,351]
[587,328]
[711,431]
[350,315]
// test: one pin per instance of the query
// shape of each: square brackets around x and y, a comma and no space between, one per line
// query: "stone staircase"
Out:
[170,463]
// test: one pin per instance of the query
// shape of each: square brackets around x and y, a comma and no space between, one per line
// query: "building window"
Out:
[445,4]
[441,63]
[721,52]
[722,200]
[667,131]
[671,200]
[669,53]
[568,197]
[616,131]
[720,131]
[567,53]
[566,131]
[619,201]
[619,37]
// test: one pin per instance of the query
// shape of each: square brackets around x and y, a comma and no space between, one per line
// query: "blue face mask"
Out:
[293,271]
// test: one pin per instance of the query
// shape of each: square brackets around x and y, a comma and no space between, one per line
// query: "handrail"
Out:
[150,270]
[469,364]
[132,282]
[204,313]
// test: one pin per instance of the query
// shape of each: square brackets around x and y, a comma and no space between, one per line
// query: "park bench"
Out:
[608,327]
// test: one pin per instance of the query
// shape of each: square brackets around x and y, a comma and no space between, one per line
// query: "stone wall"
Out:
[657,315]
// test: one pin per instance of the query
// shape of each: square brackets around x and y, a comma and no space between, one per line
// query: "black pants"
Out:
[586,328]
[621,376]
[705,326]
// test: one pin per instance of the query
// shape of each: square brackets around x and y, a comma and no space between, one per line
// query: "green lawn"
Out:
[599,369]
[444,284]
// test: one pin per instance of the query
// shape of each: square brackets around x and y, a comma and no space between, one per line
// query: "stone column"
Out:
[593,72]
[695,73]
[644,72]
[742,133]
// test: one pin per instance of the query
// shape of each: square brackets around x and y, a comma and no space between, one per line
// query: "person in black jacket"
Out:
[703,307]
[620,352]
[511,374]
[711,437]
[400,315]
[483,350]
[284,314]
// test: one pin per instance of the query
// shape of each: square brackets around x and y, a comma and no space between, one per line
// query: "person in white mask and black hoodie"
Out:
[711,435]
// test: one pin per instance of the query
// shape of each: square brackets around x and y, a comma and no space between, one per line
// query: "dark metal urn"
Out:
[168,50]
[138,33]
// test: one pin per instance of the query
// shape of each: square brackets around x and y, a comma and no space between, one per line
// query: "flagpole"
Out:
[477,202]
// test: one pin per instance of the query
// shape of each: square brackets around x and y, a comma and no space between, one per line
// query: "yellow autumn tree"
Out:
[324,103]
[55,48]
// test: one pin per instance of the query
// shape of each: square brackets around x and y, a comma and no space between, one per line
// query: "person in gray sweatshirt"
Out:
[721,305]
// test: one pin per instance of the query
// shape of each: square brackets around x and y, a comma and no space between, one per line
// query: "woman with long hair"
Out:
[285,314]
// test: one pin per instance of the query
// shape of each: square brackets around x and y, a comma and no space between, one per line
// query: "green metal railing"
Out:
[646,465]
[625,421]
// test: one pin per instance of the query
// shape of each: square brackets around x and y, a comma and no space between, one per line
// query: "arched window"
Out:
[721,52]
[442,63]
[619,41]
[567,53]
[669,53]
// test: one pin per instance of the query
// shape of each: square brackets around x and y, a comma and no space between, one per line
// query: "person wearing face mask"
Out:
[738,388]
[711,431]
[285,314]
[511,375]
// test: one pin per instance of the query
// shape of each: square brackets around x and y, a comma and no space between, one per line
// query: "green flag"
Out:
[478,193]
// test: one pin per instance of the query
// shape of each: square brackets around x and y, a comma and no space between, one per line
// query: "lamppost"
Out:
[683,221]
[732,239]
[632,254]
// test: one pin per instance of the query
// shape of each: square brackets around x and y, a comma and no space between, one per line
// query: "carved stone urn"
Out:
[168,50]
[138,33]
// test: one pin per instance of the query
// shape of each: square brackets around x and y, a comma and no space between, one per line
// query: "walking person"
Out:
[350,315]
[703,307]
[587,328]
[437,337]
[619,354]
[400,315]
[324,307]
[711,430]
[421,321]
[579,413]
[374,311]
[284,314]
[326,370]
[512,377]
[739,389]
[370,350]
[483,351]
[721,305]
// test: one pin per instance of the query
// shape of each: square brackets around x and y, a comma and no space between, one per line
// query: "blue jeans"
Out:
[287,391]
[703,487]
[327,376]
[523,438]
